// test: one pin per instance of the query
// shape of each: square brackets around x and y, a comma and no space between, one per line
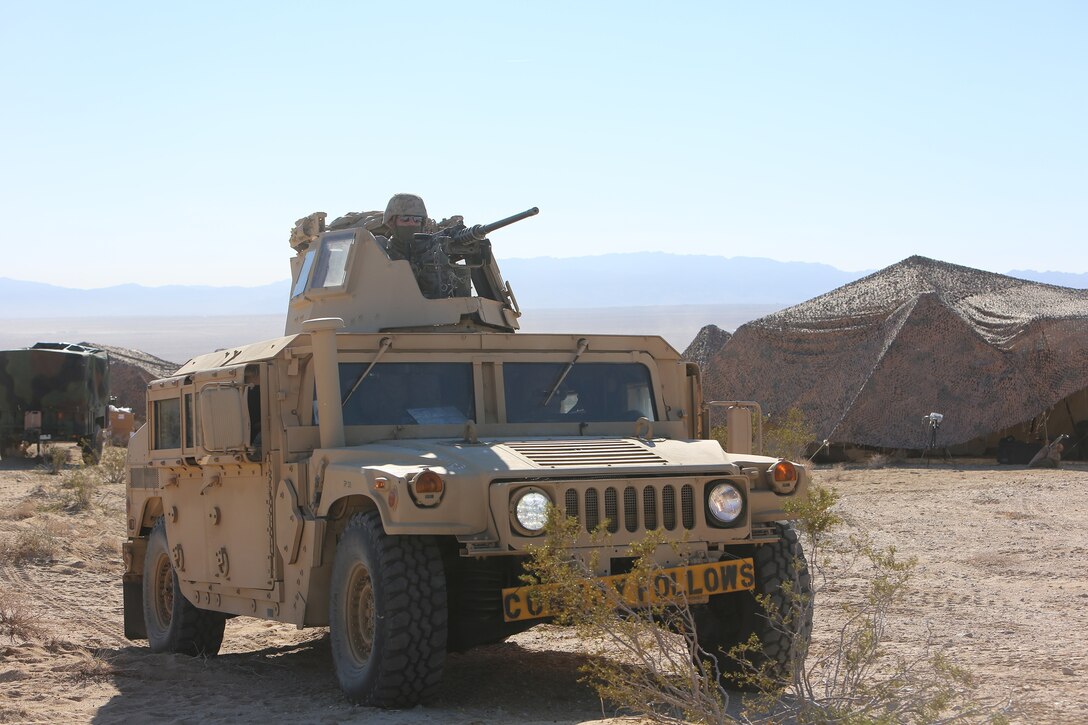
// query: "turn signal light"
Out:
[428,482]
[783,477]
[426,488]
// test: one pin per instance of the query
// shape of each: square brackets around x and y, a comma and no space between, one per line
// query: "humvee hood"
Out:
[502,457]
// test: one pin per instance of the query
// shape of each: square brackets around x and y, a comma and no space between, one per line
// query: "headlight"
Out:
[530,509]
[725,503]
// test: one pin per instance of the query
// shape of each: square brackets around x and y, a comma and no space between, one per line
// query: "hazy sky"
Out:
[176,143]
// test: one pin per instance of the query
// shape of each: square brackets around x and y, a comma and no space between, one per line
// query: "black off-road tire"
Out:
[173,623]
[730,619]
[387,615]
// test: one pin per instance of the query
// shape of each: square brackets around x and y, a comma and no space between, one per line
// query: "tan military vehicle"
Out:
[383,469]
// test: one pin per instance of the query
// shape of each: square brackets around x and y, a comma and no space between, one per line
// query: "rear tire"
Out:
[730,619]
[174,624]
[387,615]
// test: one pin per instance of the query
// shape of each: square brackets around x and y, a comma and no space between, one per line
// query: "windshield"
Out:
[408,394]
[599,392]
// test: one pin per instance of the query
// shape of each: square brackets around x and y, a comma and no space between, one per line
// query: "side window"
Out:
[304,274]
[167,414]
[190,439]
[331,269]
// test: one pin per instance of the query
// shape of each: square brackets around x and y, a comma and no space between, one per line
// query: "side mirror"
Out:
[224,419]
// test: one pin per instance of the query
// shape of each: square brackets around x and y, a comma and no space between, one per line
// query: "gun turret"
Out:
[346,272]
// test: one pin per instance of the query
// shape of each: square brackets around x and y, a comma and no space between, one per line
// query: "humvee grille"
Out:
[593,511]
[649,505]
[570,454]
[630,509]
[572,503]
[654,498]
[668,504]
[611,510]
[687,506]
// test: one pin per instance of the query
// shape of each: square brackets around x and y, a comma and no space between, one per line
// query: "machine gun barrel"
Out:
[479,232]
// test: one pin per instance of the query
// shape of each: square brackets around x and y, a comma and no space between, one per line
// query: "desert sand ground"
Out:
[1001,588]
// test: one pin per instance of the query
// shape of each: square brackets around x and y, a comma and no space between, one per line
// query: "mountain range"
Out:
[637,279]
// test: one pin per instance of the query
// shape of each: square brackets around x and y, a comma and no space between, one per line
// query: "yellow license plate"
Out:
[695,583]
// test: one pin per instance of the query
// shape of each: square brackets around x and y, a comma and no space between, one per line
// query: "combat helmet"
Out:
[403,204]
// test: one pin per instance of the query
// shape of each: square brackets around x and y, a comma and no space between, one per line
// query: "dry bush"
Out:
[54,458]
[111,464]
[17,621]
[39,543]
[79,488]
[834,474]
[788,436]
[647,657]
[670,678]
[878,461]
[89,666]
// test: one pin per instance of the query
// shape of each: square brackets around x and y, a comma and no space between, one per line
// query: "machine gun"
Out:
[463,238]
[469,248]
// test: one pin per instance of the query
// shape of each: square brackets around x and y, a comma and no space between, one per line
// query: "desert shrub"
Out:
[834,473]
[37,543]
[657,669]
[79,488]
[645,658]
[878,461]
[787,436]
[88,666]
[17,620]
[720,433]
[54,458]
[111,464]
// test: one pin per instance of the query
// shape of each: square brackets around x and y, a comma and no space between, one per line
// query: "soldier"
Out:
[406,216]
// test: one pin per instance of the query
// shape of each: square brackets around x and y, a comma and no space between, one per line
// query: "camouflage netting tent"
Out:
[868,361]
[130,372]
[708,343]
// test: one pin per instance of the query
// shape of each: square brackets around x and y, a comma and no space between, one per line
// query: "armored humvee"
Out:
[383,469]
[53,391]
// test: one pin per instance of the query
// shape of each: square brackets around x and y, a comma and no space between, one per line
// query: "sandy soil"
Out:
[1001,587]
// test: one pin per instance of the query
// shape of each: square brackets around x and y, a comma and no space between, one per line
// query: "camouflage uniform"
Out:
[437,277]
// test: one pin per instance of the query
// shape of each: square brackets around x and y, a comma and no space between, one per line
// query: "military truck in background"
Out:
[383,469]
[53,391]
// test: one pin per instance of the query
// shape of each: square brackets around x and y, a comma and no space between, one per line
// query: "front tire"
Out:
[173,623]
[728,620]
[387,615]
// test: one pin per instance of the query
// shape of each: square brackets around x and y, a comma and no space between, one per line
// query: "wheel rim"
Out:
[360,614]
[164,591]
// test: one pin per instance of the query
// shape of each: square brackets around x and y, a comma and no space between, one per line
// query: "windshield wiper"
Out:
[582,345]
[385,344]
